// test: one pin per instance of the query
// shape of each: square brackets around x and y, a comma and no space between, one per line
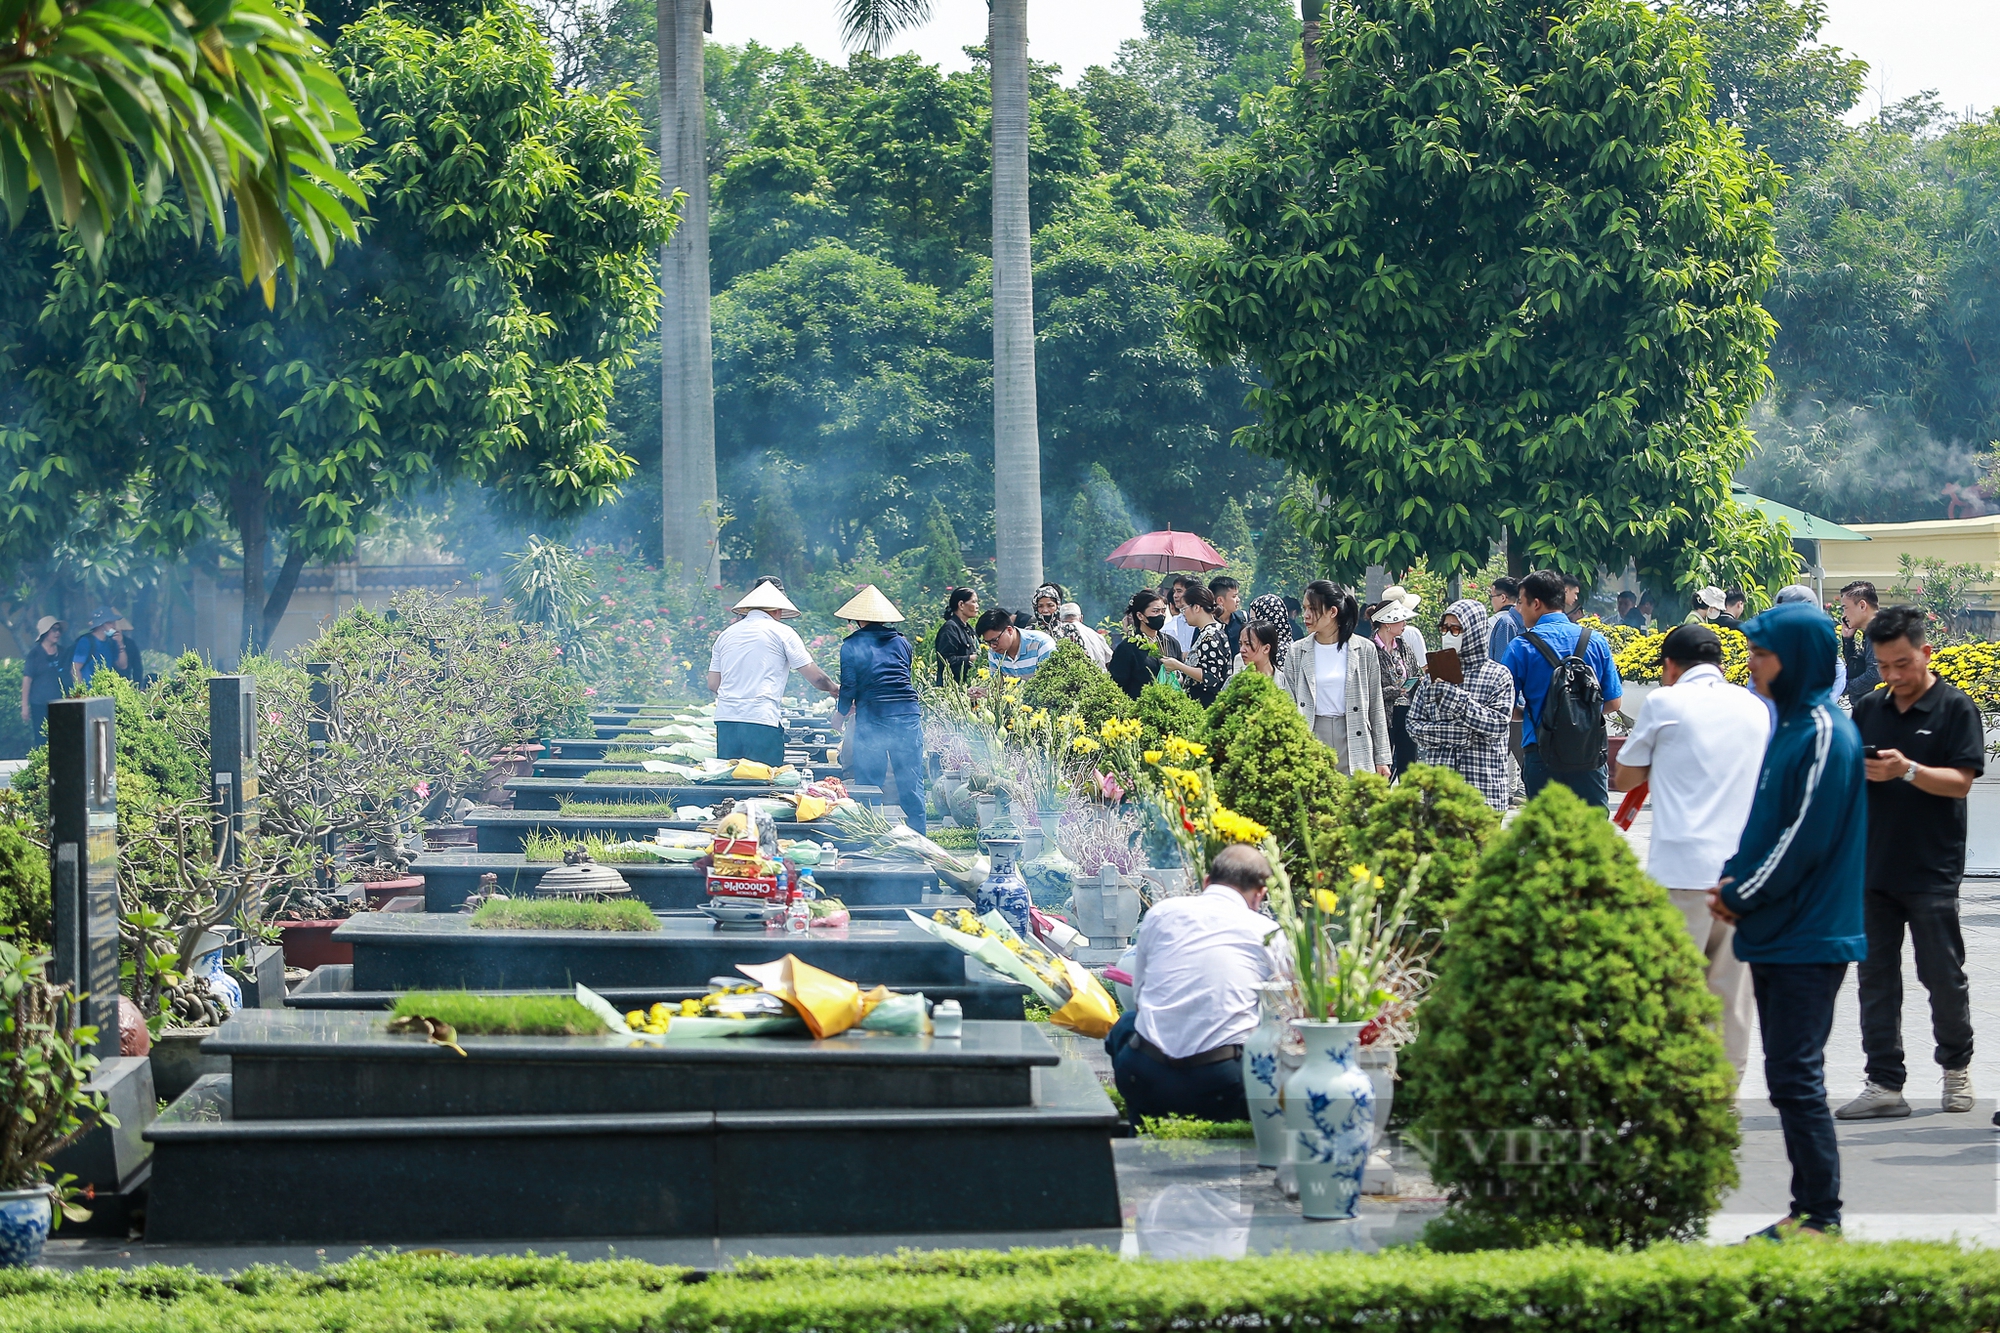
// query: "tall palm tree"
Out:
[1311,13]
[1017,447]
[687,375]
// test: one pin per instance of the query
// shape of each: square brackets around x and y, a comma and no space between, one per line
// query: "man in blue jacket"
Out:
[1793,891]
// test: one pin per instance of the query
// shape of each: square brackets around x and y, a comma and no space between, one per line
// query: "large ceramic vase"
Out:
[1330,1113]
[24,1226]
[1261,1076]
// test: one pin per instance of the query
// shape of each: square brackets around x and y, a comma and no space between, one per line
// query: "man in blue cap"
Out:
[1793,891]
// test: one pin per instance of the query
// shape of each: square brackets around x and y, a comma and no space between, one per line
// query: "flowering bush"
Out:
[1974,668]
[1638,658]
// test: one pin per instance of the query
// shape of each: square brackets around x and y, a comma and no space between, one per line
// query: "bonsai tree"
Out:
[1432,812]
[1069,682]
[44,1064]
[1165,711]
[1268,765]
[1573,1085]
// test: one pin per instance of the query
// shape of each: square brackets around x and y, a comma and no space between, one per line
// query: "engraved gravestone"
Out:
[83,839]
[319,732]
[232,752]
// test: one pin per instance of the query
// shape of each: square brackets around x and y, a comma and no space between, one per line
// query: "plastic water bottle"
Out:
[797,915]
[808,886]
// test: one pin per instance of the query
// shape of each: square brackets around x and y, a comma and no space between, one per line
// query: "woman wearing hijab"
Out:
[1048,606]
[1464,726]
[875,688]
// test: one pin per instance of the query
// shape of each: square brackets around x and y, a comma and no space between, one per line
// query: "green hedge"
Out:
[1801,1288]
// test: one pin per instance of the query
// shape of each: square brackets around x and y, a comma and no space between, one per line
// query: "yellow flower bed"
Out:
[1974,668]
[1638,660]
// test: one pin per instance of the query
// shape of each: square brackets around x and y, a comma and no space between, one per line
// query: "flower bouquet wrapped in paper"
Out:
[899,841]
[1075,998]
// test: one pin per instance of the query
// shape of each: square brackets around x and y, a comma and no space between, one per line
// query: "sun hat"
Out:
[1392,613]
[767,597]
[1068,610]
[1796,592]
[45,624]
[1711,597]
[869,605]
[1409,601]
[103,615]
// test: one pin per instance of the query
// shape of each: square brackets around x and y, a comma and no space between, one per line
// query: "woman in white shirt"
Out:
[1335,677]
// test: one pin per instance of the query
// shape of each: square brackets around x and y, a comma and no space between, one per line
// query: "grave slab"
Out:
[451,877]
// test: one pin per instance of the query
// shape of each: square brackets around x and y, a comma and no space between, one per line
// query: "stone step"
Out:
[504,831]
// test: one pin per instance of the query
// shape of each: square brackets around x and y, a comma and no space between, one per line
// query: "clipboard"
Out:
[1444,665]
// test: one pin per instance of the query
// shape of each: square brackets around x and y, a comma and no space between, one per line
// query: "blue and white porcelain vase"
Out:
[24,1226]
[1330,1113]
[1004,891]
[1261,1076]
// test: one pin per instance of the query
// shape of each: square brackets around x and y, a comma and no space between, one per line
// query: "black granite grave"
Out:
[356,1135]
[450,877]
[232,760]
[982,993]
[508,830]
[83,844]
[445,951]
[546,793]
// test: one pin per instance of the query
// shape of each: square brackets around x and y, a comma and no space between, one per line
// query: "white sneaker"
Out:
[1877,1103]
[1958,1089]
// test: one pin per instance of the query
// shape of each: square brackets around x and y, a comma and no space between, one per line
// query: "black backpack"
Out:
[1570,730]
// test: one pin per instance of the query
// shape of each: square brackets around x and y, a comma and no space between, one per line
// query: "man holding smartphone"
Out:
[1925,743]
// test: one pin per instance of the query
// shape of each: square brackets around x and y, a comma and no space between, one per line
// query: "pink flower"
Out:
[589,693]
[272,717]
[1108,788]
[423,789]
[619,639]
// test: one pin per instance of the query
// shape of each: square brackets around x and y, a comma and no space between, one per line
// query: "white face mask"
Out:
[1452,640]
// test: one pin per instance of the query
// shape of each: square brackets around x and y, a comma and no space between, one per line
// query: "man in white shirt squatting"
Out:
[1194,995]
[1700,743]
[747,671]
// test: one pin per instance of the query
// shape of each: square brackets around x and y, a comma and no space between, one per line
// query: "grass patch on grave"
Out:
[570,808]
[503,1015]
[564,914]
[543,846]
[625,777]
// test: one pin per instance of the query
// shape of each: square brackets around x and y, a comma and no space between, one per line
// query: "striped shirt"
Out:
[1035,648]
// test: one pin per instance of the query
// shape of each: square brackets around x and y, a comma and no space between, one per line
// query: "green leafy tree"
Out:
[1497,270]
[506,276]
[1096,524]
[1267,763]
[1571,1007]
[1287,559]
[943,562]
[1774,79]
[230,96]
[1246,45]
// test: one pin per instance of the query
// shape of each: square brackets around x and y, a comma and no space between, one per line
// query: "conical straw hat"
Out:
[767,597]
[869,604]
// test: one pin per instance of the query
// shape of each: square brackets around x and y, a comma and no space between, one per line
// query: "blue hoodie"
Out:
[1797,874]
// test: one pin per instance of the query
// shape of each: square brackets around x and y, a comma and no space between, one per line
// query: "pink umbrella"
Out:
[1163,552]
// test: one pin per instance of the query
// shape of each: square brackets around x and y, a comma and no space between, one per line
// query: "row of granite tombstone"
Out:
[325,1128]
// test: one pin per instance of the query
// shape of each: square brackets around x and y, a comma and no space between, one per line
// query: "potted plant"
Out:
[44,1104]
[1345,952]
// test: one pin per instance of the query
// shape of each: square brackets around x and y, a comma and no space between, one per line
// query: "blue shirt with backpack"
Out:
[1532,672]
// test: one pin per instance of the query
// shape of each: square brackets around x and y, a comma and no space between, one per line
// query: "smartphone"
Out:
[1871,751]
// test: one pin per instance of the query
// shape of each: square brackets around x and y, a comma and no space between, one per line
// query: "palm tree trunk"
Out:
[1311,12]
[687,383]
[1017,448]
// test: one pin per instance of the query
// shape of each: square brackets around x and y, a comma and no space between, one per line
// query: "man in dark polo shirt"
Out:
[1925,744]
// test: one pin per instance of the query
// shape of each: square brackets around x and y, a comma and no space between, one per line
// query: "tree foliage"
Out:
[505,276]
[1571,1005]
[1774,79]
[230,96]
[1497,270]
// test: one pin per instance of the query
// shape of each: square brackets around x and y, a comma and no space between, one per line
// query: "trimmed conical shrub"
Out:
[1431,811]
[1165,711]
[1267,763]
[1070,682]
[1573,1086]
[24,885]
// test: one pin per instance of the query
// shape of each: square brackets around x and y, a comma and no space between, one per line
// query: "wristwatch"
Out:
[1910,773]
